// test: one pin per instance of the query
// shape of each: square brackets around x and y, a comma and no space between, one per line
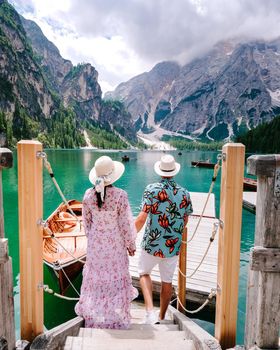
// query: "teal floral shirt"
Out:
[167,204]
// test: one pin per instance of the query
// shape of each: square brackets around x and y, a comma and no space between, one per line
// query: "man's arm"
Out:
[140,220]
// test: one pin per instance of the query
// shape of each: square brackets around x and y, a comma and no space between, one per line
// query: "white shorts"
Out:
[166,266]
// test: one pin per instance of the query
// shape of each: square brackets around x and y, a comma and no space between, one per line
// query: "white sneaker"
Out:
[150,318]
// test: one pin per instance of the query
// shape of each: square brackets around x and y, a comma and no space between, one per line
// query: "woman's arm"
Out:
[126,224]
[86,214]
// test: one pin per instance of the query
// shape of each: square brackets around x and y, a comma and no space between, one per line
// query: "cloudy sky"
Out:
[123,38]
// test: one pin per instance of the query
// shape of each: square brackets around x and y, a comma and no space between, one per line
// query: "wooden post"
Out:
[30,205]
[7,323]
[229,243]
[183,268]
[263,302]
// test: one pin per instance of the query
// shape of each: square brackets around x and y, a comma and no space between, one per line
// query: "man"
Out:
[167,206]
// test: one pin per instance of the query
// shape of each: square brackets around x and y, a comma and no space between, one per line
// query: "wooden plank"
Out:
[202,340]
[265,259]
[198,201]
[55,338]
[7,325]
[3,250]
[249,201]
[30,200]
[261,165]
[263,304]
[229,243]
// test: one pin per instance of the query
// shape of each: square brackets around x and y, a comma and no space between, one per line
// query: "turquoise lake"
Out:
[71,168]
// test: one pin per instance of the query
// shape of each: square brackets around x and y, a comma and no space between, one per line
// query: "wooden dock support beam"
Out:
[7,323]
[229,243]
[182,278]
[30,202]
[263,302]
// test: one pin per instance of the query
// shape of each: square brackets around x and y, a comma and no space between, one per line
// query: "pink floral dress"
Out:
[106,290]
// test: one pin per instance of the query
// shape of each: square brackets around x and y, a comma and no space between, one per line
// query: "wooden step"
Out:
[89,332]
[107,341]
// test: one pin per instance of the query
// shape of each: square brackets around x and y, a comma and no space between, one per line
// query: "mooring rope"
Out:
[50,291]
[215,174]
[47,165]
[211,240]
[210,296]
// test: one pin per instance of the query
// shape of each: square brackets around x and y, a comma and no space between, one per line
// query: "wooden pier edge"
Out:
[263,304]
[202,339]
[7,323]
[55,338]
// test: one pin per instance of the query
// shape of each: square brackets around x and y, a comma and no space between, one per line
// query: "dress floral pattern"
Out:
[167,204]
[107,290]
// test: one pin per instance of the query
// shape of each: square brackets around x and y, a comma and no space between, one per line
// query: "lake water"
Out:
[71,168]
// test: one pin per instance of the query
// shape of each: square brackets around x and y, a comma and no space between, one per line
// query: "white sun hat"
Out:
[167,166]
[107,169]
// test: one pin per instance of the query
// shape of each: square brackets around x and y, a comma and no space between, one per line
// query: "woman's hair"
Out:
[98,195]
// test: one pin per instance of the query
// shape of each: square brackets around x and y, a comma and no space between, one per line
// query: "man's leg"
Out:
[167,268]
[165,297]
[147,290]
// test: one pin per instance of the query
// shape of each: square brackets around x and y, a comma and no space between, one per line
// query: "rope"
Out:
[50,291]
[50,171]
[211,240]
[210,296]
[216,171]
[52,235]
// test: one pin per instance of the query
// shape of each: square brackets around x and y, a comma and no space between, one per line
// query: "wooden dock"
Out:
[249,201]
[198,286]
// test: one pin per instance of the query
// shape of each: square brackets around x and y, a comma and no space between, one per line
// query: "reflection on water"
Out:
[71,168]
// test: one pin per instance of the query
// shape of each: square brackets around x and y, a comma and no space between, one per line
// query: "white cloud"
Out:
[126,37]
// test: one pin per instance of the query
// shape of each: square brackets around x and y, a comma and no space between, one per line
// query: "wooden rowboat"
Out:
[249,184]
[203,164]
[125,158]
[69,234]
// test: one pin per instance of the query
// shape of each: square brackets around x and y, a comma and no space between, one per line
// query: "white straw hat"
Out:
[167,166]
[105,167]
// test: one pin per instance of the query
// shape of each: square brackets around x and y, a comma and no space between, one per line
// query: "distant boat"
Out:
[125,158]
[69,233]
[249,184]
[203,164]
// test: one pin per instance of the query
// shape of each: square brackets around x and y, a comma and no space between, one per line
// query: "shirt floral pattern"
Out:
[107,290]
[167,204]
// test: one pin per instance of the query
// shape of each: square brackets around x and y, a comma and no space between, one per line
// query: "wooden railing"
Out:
[263,291]
[233,155]
[7,324]
[30,206]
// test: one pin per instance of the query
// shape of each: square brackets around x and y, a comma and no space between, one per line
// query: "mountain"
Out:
[231,89]
[21,78]
[44,96]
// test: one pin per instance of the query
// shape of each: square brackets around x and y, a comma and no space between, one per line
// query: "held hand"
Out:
[131,252]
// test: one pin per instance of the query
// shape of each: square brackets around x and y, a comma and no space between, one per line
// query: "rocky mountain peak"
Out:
[48,55]
[43,95]
[81,90]
[230,89]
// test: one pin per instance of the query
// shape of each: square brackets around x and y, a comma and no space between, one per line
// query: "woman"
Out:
[106,290]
